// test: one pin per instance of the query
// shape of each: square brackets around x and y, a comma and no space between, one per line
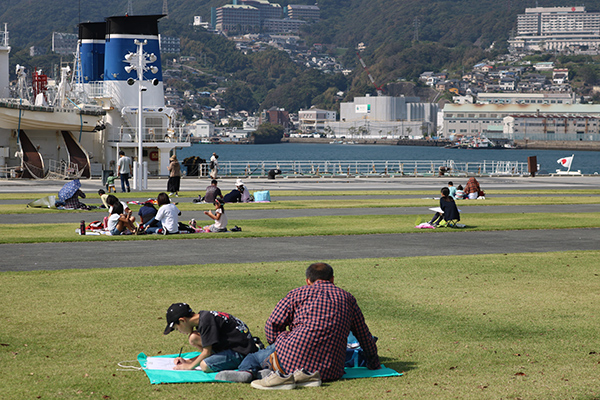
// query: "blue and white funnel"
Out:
[91,51]
[121,35]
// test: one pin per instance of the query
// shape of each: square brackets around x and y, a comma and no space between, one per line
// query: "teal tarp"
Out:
[157,376]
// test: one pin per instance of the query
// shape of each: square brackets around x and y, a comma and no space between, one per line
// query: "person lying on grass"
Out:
[222,339]
[218,216]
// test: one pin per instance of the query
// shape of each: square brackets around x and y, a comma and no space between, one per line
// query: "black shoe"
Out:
[128,189]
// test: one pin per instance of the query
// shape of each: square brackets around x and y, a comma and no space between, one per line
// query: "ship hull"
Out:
[56,119]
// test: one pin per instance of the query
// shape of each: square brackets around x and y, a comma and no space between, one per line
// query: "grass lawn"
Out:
[469,327]
[313,226]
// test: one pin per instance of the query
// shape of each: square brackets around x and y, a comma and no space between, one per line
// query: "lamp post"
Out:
[139,61]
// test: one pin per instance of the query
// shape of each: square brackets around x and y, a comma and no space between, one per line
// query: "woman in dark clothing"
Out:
[174,176]
[448,206]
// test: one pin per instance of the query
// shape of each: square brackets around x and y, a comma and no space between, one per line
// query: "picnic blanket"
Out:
[158,376]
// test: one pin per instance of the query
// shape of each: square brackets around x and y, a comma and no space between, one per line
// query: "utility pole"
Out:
[416,24]
[165,9]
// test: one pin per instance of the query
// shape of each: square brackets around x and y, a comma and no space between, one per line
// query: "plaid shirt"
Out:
[74,202]
[319,317]
[472,186]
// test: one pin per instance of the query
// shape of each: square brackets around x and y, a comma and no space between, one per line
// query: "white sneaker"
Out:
[305,379]
[275,381]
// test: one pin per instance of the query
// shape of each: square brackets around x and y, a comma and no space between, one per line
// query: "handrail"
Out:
[358,168]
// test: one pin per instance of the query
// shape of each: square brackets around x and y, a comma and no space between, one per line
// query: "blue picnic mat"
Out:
[157,376]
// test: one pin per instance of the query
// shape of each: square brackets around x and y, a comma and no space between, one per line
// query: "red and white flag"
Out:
[566,161]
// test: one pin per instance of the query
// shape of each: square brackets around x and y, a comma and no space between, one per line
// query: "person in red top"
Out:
[310,327]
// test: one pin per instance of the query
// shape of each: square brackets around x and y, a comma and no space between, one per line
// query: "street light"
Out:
[139,61]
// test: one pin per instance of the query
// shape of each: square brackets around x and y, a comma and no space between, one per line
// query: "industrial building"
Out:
[385,117]
[523,121]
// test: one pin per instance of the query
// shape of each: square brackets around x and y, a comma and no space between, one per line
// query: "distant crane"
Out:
[379,89]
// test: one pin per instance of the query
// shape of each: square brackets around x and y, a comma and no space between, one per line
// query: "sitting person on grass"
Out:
[222,339]
[147,212]
[460,193]
[212,192]
[218,216]
[118,221]
[103,197]
[167,217]
[308,333]
[448,206]
[472,190]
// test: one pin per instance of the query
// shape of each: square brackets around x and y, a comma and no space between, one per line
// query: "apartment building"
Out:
[303,12]
[238,18]
[315,120]
[556,28]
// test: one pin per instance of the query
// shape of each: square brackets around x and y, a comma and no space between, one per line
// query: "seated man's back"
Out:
[212,192]
[319,317]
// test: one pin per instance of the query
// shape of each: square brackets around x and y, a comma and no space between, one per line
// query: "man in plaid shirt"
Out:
[319,317]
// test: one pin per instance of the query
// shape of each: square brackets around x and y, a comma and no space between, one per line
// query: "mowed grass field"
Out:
[471,327]
[504,326]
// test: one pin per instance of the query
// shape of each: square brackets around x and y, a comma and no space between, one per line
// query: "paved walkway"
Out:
[52,256]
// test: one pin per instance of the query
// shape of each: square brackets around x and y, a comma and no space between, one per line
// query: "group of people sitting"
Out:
[471,191]
[240,194]
[307,334]
[164,220]
[448,212]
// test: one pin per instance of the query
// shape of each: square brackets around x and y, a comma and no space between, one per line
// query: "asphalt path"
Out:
[558,183]
[55,256]
[249,214]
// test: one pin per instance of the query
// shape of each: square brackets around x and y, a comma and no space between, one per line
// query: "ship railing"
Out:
[62,170]
[4,38]
[150,135]
[354,168]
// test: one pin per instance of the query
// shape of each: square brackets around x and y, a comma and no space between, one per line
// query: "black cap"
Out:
[176,311]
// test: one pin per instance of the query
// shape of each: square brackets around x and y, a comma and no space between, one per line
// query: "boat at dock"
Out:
[75,126]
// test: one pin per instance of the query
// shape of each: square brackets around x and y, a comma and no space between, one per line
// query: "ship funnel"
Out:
[91,51]
[123,34]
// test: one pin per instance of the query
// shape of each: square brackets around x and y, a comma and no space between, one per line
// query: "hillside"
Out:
[452,35]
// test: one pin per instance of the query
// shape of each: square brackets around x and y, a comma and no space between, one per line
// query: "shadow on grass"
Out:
[398,366]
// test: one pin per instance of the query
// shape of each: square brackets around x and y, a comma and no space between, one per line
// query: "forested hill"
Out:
[403,38]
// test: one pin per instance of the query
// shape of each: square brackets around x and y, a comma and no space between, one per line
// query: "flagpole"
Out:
[571,163]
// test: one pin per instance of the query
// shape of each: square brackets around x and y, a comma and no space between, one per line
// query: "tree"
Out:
[267,133]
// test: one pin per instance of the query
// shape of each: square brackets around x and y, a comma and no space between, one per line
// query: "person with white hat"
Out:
[214,165]
[243,190]
[174,176]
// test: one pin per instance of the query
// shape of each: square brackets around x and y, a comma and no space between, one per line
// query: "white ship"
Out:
[77,126]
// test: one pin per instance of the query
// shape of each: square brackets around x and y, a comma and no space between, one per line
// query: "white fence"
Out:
[372,168]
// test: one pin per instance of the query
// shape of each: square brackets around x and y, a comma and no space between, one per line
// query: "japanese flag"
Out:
[566,161]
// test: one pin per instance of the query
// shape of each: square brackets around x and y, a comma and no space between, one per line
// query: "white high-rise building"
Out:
[557,29]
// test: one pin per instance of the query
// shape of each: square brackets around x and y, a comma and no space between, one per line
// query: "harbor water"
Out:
[588,162]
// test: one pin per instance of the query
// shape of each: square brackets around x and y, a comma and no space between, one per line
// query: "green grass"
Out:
[468,327]
[313,226]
